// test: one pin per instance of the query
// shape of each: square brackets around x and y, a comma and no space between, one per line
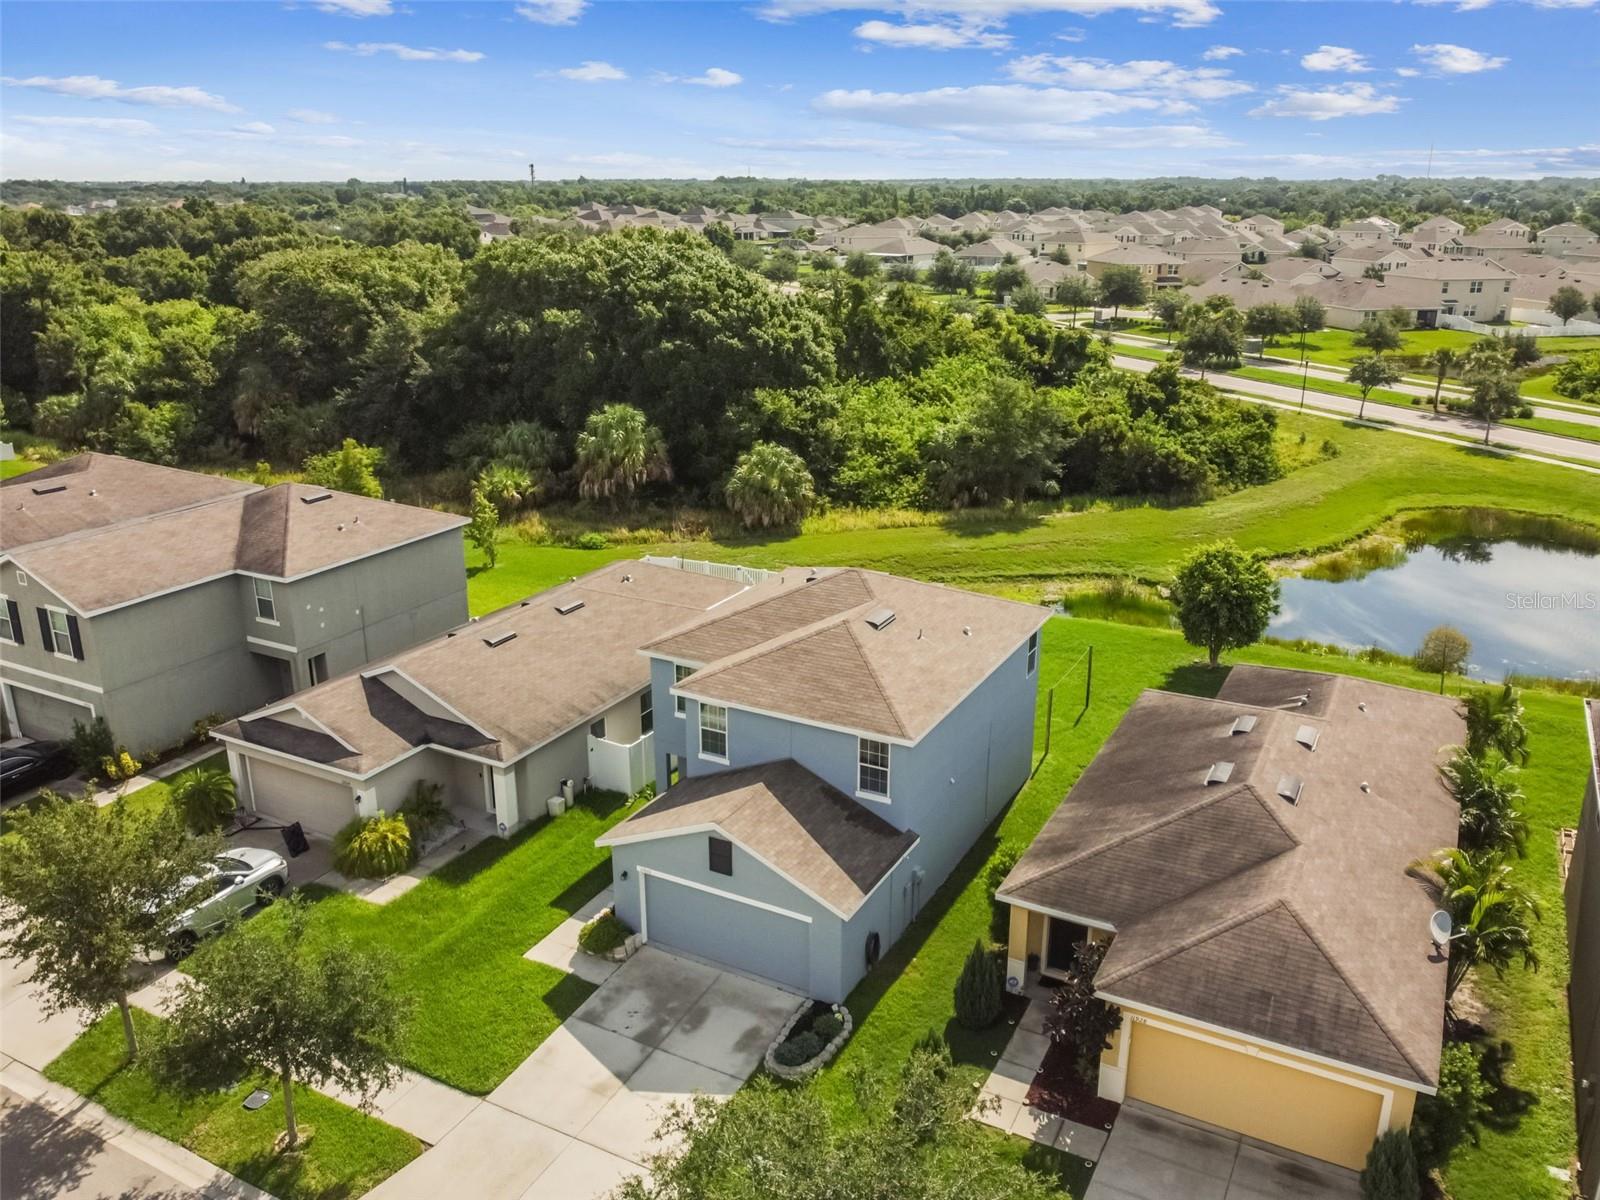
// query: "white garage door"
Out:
[47,718]
[746,938]
[286,795]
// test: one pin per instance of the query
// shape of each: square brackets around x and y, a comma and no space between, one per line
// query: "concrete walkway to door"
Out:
[581,1112]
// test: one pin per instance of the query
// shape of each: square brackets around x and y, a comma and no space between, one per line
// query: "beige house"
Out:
[1476,288]
[1360,257]
[1158,267]
[1567,237]
[1246,858]
[1433,234]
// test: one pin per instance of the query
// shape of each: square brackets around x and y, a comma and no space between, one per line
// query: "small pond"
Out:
[1528,608]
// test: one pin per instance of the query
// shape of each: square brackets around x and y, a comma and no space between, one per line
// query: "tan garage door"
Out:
[286,795]
[1315,1115]
[47,718]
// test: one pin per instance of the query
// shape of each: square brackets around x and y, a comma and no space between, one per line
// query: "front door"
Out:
[1061,945]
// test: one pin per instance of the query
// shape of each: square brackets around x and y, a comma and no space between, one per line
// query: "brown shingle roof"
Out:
[809,652]
[1294,923]
[124,530]
[795,822]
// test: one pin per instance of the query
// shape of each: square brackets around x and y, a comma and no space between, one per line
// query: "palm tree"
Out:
[770,486]
[1495,722]
[1441,360]
[506,485]
[618,451]
[1491,914]
[1486,789]
[205,796]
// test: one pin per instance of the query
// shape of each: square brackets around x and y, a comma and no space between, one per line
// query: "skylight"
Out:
[1243,724]
[1289,787]
[1220,772]
[1307,736]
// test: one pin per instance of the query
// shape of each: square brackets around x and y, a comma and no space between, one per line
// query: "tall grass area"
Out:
[910,991]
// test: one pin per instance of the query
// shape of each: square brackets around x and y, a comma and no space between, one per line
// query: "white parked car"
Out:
[242,877]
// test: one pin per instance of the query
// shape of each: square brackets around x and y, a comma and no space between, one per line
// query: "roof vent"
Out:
[1220,772]
[317,499]
[880,618]
[1289,787]
[1307,736]
[567,607]
[45,491]
[1243,724]
[499,639]
[1300,701]
[627,579]
[966,631]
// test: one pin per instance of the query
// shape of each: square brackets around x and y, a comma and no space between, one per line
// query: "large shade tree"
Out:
[1225,596]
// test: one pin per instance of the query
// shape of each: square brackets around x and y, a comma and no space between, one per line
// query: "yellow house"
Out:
[1246,859]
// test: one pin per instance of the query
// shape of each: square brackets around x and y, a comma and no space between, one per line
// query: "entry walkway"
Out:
[582,1111]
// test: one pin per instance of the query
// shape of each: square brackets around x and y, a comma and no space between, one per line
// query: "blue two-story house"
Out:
[828,745]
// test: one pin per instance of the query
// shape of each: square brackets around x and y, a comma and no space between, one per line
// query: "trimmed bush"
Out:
[603,934]
[1391,1171]
[801,1048]
[424,810]
[1444,1120]
[373,847]
[994,875]
[827,1027]
[91,744]
[979,989]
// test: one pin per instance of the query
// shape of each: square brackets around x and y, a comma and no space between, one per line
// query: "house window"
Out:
[1445,290]
[317,665]
[1033,653]
[714,732]
[679,674]
[721,855]
[266,610]
[60,633]
[1475,286]
[872,767]
[597,729]
[647,713]
[8,623]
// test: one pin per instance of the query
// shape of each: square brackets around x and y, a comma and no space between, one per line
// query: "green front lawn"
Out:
[910,992]
[348,1153]
[458,937]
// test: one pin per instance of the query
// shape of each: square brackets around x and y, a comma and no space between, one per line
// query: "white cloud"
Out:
[950,148]
[552,12]
[123,125]
[358,8]
[1457,60]
[1218,53]
[312,116]
[407,53]
[1407,72]
[1072,35]
[93,87]
[960,36]
[1334,58]
[1152,76]
[1343,100]
[716,77]
[593,71]
[1184,14]
[256,128]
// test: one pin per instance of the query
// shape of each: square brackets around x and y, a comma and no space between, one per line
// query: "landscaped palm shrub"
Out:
[424,810]
[1391,1171]
[979,988]
[1079,1018]
[372,847]
[206,797]
[1495,722]
[618,452]
[770,486]
[1492,915]
[1491,802]
[603,934]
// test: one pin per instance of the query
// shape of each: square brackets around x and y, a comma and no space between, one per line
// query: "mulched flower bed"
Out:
[1057,1089]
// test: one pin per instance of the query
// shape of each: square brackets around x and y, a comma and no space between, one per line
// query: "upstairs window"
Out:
[1033,653]
[872,767]
[721,855]
[714,732]
[647,714]
[679,674]
[8,622]
[60,632]
[266,608]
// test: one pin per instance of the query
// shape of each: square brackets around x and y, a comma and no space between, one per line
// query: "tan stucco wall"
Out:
[1241,1089]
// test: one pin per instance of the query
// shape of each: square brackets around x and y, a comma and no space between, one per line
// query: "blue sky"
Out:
[327,89]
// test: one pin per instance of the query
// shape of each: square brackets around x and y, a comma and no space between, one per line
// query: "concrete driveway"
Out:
[581,1112]
[1154,1154]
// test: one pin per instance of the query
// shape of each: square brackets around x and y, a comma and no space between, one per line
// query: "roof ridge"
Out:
[1377,1020]
[872,674]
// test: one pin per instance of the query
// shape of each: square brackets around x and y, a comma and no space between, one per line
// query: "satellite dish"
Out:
[1439,928]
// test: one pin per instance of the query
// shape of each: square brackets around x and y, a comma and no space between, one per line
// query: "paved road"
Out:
[1421,419]
[44,1156]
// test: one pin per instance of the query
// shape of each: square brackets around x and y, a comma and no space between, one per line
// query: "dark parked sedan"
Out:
[23,767]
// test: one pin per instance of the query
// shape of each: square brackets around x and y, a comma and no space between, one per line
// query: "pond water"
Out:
[1530,609]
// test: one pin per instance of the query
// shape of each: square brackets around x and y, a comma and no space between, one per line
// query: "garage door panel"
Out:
[1300,1110]
[46,718]
[747,938]
[282,794]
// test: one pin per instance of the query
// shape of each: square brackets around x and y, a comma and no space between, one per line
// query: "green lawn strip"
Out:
[458,937]
[146,799]
[1153,353]
[1320,506]
[911,991]
[348,1152]
[12,467]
